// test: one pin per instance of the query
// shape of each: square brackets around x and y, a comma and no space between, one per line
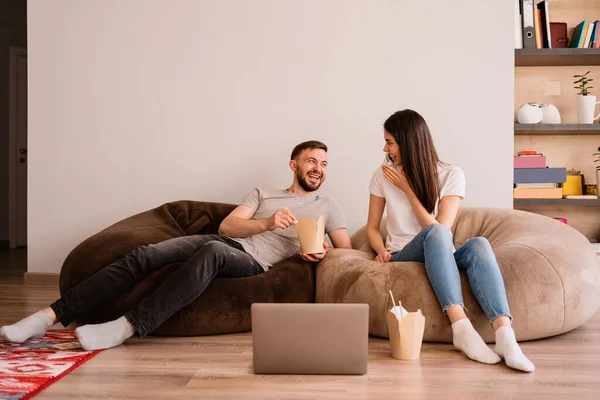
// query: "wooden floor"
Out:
[567,366]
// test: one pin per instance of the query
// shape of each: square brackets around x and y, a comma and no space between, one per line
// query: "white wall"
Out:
[134,103]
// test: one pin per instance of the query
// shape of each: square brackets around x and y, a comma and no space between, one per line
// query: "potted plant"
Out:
[586,103]
[597,160]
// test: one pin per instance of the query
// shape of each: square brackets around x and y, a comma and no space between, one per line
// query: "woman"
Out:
[422,195]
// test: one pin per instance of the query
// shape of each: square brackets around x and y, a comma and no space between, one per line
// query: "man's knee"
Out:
[215,250]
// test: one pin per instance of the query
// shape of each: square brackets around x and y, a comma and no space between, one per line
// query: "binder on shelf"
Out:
[518,29]
[527,9]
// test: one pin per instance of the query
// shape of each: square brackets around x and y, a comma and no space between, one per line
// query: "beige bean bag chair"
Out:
[551,275]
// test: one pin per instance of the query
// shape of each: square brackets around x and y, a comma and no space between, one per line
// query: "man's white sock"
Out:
[34,326]
[103,336]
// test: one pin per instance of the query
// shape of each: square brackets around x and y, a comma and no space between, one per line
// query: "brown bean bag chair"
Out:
[223,308]
[551,275]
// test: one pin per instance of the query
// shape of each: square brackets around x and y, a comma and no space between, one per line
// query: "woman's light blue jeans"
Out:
[433,246]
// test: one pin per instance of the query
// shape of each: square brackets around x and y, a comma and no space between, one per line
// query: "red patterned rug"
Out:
[28,368]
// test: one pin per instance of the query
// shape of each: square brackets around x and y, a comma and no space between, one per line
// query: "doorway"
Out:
[17,147]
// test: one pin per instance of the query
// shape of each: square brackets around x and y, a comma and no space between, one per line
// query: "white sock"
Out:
[508,348]
[34,326]
[104,336]
[466,338]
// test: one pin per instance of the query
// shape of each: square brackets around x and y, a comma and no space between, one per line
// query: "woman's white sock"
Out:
[466,338]
[508,348]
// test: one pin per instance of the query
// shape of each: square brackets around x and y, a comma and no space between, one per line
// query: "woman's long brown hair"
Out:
[419,157]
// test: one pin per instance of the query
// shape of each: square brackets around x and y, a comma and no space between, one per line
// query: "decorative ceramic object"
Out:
[586,106]
[550,114]
[529,113]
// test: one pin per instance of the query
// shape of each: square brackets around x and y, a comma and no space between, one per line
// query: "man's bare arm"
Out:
[239,222]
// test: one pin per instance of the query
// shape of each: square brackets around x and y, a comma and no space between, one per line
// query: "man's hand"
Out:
[315,257]
[282,218]
[383,257]
[398,178]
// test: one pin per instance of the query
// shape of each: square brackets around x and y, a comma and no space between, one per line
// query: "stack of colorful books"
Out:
[534,180]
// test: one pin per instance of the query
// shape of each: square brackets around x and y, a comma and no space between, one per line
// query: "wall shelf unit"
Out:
[556,57]
[557,129]
[544,75]
[557,202]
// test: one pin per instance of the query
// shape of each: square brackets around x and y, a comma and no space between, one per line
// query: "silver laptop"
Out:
[308,338]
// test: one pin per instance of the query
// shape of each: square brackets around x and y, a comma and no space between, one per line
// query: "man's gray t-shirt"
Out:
[271,247]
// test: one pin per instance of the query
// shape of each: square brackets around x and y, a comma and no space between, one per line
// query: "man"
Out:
[254,236]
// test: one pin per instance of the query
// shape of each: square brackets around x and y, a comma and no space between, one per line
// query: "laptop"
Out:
[309,338]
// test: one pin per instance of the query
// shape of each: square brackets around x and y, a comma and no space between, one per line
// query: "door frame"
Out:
[14,54]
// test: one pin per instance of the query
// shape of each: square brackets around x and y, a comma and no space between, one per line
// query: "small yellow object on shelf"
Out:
[573,185]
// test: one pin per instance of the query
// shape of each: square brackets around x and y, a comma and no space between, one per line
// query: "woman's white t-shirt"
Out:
[402,224]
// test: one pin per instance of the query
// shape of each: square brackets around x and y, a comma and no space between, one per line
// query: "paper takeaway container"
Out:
[405,330]
[311,234]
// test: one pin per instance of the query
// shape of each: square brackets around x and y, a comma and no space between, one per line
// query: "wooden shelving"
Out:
[556,57]
[556,202]
[557,129]
[547,76]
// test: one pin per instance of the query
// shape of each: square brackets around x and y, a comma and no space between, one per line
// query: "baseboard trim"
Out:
[40,279]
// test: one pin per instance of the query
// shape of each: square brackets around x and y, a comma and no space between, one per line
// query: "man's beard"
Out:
[304,184]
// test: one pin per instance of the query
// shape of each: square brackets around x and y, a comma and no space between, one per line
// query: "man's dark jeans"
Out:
[205,257]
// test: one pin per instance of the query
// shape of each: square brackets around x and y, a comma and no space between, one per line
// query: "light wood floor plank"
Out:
[220,367]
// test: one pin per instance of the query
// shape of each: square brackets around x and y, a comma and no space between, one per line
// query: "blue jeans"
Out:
[433,246]
[204,258]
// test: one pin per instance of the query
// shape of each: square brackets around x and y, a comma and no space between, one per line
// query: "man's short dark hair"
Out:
[311,144]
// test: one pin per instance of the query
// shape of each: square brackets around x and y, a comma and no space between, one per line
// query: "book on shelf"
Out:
[530,162]
[580,196]
[525,193]
[540,175]
[585,35]
[536,185]
[544,24]
[558,32]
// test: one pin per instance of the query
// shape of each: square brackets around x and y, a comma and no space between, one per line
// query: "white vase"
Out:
[529,113]
[586,106]
[550,114]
